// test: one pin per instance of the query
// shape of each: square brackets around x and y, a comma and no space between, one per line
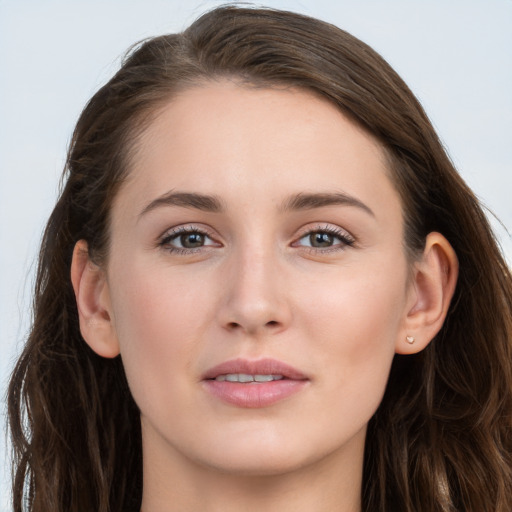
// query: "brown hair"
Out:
[441,439]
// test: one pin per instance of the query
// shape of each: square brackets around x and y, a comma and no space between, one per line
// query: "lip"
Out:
[260,367]
[254,395]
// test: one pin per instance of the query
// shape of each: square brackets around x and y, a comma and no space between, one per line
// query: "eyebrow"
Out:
[185,200]
[307,201]
[301,201]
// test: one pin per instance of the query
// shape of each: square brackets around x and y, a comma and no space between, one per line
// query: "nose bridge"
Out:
[255,298]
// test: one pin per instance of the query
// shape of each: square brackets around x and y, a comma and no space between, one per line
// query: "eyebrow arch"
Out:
[185,200]
[306,201]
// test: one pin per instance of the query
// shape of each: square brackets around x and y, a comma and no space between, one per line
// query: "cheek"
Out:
[154,304]
[355,318]
[158,326]
[367,301]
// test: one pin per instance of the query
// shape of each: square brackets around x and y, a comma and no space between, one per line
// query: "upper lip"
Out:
[258,367]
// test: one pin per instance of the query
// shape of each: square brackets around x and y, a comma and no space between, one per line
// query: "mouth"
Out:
[253,384]
[247,378]
[260,370]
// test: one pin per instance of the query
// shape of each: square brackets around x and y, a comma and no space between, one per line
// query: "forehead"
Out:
[228,139]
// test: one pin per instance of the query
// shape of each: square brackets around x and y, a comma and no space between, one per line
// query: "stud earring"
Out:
[410,339]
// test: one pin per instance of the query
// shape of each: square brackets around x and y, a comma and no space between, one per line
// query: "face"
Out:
[257,280]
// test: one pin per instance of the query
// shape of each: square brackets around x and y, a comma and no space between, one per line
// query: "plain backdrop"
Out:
[456,56]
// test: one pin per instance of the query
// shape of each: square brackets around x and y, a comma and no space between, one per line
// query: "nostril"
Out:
[272,323]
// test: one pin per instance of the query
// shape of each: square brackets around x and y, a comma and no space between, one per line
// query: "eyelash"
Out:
[345,239]
[169,237]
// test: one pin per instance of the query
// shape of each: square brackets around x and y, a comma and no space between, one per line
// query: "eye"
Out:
[186,239]
[189,240]
[325,238]
[320,239]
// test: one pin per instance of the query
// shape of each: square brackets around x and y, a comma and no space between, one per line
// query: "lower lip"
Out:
[254,395]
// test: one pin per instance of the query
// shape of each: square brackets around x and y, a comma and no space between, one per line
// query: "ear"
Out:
[93,303]
[429,294]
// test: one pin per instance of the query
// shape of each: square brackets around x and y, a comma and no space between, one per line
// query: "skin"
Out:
[255,289]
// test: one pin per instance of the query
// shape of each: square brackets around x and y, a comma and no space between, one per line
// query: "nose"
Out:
[255,300]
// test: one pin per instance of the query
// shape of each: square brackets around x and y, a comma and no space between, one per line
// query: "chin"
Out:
[261,466]
[262,457]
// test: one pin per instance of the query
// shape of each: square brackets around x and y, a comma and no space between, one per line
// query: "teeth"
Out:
[267,378]
[245,377]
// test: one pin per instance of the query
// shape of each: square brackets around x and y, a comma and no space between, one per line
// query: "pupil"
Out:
[192,240]
[321,240]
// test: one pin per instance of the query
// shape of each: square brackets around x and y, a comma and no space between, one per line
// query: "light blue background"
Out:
[455,55]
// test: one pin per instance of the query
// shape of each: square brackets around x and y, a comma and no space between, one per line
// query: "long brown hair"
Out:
[442,438]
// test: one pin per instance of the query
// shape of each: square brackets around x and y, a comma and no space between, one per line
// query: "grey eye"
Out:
[321,239]
[191,240]
[325,239]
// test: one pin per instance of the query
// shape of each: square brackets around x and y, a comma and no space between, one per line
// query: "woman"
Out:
[281,293]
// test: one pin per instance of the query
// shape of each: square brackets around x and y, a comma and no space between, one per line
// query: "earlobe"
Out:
[430,293]
[93,303]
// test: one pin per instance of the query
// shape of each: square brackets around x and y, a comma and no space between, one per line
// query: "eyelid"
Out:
[164,240]
[345,237]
